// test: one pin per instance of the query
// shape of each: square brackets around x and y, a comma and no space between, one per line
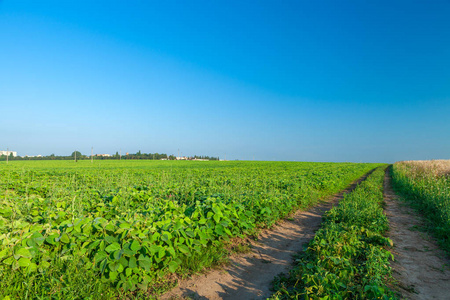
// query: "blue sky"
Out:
[274,80]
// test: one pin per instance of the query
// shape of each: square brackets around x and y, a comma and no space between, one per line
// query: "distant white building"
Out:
[181,158]
[103,155]
[8,153]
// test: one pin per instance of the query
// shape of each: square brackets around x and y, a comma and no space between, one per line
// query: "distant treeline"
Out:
[78,156]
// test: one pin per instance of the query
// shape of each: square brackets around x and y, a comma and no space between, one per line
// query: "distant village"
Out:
[76,155]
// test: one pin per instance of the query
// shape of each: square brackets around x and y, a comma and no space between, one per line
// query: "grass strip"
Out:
[347,258]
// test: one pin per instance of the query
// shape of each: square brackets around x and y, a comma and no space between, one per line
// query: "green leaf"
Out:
[123,261]
[172,252]
[111,239]
[114,266]
[110,227]
[202,235]
[216,210]
[166,236]
[154,248]
[132,262]
[219,230]
[51,239]
[3,253]
[113,275]
[162,253]
[145,263]
[65,238]
[184,249]
[39,240]
[102,245]
[173,266]
[101,255]
[31,243]
[9,261]
[117,254]
[112,247]
[22,252]
[24,262]
[135,246]
[216,218]
[125,225]
[32,267]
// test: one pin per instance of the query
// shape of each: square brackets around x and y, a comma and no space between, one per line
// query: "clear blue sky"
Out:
[275,80]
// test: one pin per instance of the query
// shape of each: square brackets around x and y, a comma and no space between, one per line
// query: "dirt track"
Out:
[421,268]
[249,276]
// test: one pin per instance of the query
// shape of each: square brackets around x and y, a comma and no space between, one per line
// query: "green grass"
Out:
[347,258]
[126,227]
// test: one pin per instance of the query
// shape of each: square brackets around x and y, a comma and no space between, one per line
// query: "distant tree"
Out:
[76,155]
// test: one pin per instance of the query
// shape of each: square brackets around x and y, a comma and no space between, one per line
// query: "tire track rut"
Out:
[420,267]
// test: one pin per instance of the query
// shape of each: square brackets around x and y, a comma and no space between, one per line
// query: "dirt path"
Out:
[249,276]
[422,269]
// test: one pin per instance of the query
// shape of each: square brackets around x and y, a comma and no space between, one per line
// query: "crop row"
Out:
[347,257]
[429,192]
[134,227]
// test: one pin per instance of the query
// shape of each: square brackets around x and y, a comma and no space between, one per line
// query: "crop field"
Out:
[427,185]
[109,228]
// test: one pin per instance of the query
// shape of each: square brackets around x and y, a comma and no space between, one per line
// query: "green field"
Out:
[102,229]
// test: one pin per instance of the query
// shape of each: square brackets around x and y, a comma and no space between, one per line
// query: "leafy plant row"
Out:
[143,225]
[347,258]
[429,193]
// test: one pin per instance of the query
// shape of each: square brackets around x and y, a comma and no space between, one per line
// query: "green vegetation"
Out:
[426,186]
[346,259]
[83,230]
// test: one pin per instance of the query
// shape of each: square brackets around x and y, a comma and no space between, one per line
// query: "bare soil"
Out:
[421,268]
[249,276]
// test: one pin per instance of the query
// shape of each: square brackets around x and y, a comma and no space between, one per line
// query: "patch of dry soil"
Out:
[249,276]
[421,268]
